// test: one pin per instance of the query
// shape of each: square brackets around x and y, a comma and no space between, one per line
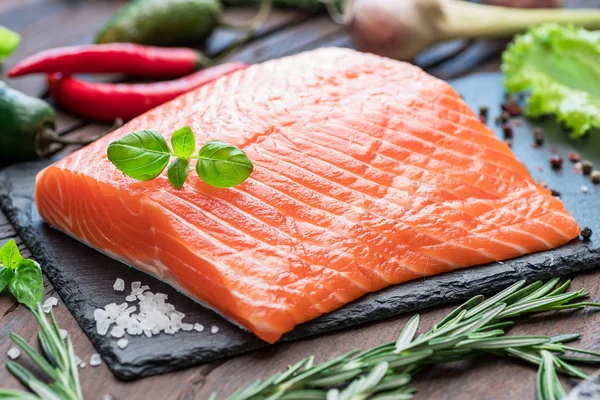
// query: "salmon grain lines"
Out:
[367,172]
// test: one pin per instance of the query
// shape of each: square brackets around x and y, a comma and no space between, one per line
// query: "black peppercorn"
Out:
[538,136]
[587,167]
[508,131]
[586,233]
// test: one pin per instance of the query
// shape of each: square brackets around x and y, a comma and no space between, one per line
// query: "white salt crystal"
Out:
[107,397]
[82,365]
[135,285]
[119,285]
[122,343]
[148,333]
[131,298]
[95,360]
[13,353]
[214,329]
[63,333]
[198,327]
[77,360]
[187,327]
[49,303]
[584,188]
[117,332]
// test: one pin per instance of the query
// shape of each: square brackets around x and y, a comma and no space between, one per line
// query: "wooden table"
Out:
[51,23]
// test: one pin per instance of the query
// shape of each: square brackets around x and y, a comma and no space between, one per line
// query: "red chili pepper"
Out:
[126,58]
[108,101]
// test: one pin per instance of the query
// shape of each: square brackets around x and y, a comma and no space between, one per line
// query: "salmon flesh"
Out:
[368,172]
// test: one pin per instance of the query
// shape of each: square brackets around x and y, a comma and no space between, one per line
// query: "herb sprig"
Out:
[143,155]
[23,277]
[24,280]
[475,328]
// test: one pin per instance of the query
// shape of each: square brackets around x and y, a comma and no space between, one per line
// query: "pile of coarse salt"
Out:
[155,315]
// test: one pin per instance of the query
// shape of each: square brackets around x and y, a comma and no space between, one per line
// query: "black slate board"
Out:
[84,277]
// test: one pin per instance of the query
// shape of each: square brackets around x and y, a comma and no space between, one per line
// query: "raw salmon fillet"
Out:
[368,172]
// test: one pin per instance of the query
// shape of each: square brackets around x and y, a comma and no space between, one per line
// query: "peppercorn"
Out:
[556,161]
[596,177]
[538,136]
[555,193]
[483,111]
[586,233]
[508,131]
[573,157]
[512,107]
[587,167]
[504,117]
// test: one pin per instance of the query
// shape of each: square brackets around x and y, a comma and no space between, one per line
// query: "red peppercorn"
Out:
[556,161]
[573,157]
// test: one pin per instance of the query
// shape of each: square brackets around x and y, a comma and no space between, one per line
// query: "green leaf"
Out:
[9,41]
[10,256]
[184,142]
[178,172]
[223,165]
[9,394]
[6,275]
[561,67]
[27,285]
[503,342]
[407,334]
[141,155]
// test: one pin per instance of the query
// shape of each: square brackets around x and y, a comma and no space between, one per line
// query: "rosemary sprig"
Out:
[24,280]
[475,328]
[57,364]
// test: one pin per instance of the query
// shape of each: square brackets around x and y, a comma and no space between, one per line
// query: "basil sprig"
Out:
[23,277]
[144,155]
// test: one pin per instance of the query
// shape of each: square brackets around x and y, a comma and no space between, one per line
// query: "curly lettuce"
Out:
[9,41]
[560,65]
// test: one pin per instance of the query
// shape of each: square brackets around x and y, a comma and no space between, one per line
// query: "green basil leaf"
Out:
[184,142]
[6,275]
[27,285]
[223,165]
[9,41]
[178,172]
[141,155]
[10,256]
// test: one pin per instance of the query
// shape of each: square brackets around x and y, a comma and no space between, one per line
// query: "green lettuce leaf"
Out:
[9,41]
[561,67]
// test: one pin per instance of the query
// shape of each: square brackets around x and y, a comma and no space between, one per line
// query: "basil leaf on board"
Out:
[6,275]
[141,155]
[178,172]
[10,256]
[223,165]
[184,142]
[27,284]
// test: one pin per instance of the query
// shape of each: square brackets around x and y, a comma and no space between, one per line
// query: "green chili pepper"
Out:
[26,124]
[313,6]
[27,127]
[162,22]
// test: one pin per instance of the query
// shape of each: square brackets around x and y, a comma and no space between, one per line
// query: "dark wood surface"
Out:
[51,23]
